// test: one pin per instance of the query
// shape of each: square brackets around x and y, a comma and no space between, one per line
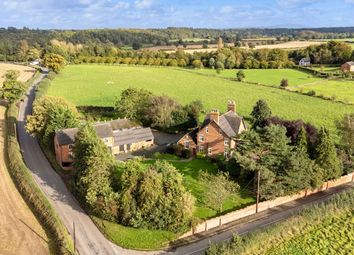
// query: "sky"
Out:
[82,14]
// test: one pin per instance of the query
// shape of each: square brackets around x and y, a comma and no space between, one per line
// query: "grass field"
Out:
[101,85]
[327,69]
[25,72]
[334,234]
[267,76]
[338,89]
[190,171]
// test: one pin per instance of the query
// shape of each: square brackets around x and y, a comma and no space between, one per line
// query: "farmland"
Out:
[267,76]
[25,72]
[337,89]
[101,85]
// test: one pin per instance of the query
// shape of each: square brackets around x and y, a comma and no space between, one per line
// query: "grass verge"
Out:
[31,192]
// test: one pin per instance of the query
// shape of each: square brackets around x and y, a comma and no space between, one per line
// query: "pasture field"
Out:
[101,85]
[266,76]
[289,45]
[327,69]
[337,89]
[25,72]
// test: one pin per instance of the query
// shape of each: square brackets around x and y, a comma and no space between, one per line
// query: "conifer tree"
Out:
[326,156]
[260,113]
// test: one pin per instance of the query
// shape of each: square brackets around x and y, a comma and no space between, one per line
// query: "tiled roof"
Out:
[122,130]
[66,136]
[351,63]
[132,135]
[229,122]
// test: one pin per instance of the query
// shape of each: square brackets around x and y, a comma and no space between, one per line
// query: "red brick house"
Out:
[217,134]
[348,67]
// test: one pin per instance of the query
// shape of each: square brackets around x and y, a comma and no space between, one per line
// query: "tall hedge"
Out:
[30,191]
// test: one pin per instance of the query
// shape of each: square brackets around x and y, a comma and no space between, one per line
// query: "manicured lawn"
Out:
[267,76]
[133,238]
[190,171]
[339,89]
[101,85]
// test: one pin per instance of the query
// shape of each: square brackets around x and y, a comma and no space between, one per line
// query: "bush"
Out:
[311,93]
[31,192]
[186,153]
[284,83]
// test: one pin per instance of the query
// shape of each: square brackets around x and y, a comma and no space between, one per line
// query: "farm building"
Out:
[120,136]
[348,67]
[305,62]
[217,134]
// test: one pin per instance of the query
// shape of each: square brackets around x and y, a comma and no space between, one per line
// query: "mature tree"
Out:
[154,198]
[54,62]
[162,111]
[193,111]
[12,89]
[346,131]
[217,188]
[301,141]
[240,75]
[51,114]
[260,113]
[93,163]
[326,155]
[284,83]
[133,103]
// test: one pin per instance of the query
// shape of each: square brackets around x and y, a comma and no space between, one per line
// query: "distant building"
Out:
[305,62]
[120,136]
[348,67]
[217,134]
[35,63]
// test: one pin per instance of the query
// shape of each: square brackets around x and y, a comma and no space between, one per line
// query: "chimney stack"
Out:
[231,106]
[214,115]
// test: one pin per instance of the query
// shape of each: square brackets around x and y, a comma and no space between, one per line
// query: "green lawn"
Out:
[135,238]
[190,171]
[101,85]
[267,76]
[338,89]
[327,68]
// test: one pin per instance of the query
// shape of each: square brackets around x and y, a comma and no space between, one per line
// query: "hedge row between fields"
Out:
[30,191]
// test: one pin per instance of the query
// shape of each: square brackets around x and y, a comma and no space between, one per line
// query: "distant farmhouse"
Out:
[120,136]
[348,67]
[305,62]
[217,134]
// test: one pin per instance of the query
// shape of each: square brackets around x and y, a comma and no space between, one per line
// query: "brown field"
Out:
[20,232]
[289,45]
[286,45]
[25,72]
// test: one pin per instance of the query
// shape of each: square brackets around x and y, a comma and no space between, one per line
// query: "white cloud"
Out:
[121,5]
[349,1]
[226,9]
[143,4]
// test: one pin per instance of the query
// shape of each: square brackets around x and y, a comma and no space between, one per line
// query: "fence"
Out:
[250,210]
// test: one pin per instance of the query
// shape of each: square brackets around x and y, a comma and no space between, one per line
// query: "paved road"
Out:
[90,240]
[258,221]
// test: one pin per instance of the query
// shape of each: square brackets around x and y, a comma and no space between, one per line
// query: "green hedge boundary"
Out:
[30,191]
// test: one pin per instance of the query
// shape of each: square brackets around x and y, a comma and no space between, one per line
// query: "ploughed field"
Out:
[101,85]
[25,72]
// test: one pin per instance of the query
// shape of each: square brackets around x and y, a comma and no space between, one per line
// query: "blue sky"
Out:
[81,14]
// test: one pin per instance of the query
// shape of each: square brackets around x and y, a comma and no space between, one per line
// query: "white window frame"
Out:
[201,148]
[226,142]
[207,130]
[210,150]
[201,138]
[186,144]
[105,140]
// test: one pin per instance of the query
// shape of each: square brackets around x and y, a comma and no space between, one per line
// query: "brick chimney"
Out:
[214,115]
[231,106]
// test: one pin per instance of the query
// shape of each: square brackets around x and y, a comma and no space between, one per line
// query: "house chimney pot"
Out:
[231,106]
[214,115]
